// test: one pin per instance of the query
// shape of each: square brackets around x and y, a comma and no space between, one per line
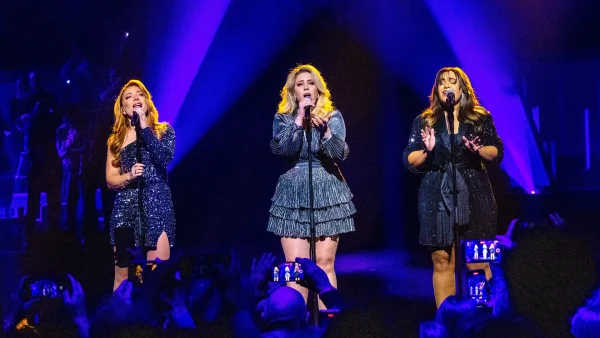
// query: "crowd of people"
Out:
[538,289]
[543,287]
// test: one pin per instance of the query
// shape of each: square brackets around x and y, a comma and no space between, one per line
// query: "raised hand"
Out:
[232,282]
[258,270]
[75,302]
[143,117]
[302,104]
[179,311]
[14,307]
[123,293]
[314,275]
[428,136]
[472,144]
[75,299]
[177,300]
[506,239]
[320,124]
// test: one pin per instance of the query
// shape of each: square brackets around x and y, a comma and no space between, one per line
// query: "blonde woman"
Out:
[289,214]
[123,171]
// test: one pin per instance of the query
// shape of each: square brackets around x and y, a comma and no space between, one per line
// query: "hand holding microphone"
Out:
[139,118]
[303,108]
[137,170]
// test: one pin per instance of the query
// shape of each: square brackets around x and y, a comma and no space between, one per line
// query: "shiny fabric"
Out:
[157,204]
[289,214]
[477,214]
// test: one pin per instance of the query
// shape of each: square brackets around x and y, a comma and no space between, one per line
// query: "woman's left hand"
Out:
[75,299]
[143,118]
[473,144]
[320,124]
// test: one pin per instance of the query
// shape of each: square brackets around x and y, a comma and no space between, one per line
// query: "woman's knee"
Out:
[326,250]
[441,261]
[326,262]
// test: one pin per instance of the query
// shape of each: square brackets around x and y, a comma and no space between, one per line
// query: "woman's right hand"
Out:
[301,109]
[428,136]
[137,170]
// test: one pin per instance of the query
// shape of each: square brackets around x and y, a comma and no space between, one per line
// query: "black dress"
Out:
[477,211]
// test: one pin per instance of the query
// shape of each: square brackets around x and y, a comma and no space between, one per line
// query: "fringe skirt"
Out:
[333,208]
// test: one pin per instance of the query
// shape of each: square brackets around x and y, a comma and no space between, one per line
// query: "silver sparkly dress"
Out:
[157,205]
[289,215]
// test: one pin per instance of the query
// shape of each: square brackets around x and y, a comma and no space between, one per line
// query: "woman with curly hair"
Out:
[123,170]
[477,146]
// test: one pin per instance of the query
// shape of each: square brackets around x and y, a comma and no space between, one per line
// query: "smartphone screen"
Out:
[288,272]
[478,286]
[480,251]
[45,288]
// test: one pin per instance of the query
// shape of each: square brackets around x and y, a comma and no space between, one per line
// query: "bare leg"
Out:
[163,249]
[292,248]
[444,283]
[162,252]
[326,249]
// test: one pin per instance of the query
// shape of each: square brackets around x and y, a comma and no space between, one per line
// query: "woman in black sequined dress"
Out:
[477,146]
[123,171]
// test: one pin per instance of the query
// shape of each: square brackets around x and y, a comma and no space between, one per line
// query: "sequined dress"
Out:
[157,205]
[289,214]
[477,211]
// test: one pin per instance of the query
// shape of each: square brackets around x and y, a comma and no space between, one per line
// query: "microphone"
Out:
[135,119]
[450,97]
[307,108]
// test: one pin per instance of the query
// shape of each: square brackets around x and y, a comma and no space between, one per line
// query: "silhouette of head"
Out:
[285,308]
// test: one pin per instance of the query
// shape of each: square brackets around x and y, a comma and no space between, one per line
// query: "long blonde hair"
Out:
[471,111]
[122,123]
[289,103]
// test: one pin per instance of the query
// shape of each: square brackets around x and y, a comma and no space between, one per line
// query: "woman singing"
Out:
[123,171]
[333,208]
[428,152]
